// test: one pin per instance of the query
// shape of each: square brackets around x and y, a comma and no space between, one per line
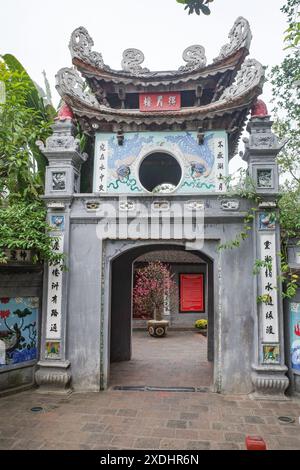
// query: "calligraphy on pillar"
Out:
[220,163]
[268,281]
[101,162]
[54,300]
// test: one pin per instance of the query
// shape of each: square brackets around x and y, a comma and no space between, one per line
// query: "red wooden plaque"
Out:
[192,292]
[160,101]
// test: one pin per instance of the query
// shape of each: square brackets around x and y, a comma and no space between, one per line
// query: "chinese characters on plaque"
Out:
[220,163]
[160,101]
[100,183]
[269,307]
[54,301]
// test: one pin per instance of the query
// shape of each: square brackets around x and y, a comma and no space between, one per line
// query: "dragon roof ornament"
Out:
[251,75]
[195,58]
[81,45]
[240,36]
[70,83]
[132,60]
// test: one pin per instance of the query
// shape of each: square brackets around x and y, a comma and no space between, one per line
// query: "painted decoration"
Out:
[52,350]
[150,102]
[266,221]
[295,335]
[192,293]
[58,222]
[204,167]
[271,354]
[268,284]
[54,301]
[101,162]
[18,330]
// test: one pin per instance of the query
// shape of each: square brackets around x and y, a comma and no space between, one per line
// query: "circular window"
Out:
[160,172]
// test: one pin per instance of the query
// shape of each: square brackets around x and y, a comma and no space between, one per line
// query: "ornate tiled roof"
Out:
[234,85]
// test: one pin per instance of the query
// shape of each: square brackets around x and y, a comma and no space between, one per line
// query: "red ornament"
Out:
[4,314]
[4,300]
[259,109]
[297,329]
[64,113]
[255,443]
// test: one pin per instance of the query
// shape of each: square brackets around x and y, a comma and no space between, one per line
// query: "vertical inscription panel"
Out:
[269,306]
[54,300]
[101,162]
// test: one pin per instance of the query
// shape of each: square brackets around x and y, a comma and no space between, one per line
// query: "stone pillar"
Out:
[62,181]
[268,370]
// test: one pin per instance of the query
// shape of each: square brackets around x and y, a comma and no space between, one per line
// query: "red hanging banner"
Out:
[192,293]
[160,101]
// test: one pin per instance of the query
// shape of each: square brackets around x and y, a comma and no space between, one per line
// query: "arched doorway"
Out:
[122,274]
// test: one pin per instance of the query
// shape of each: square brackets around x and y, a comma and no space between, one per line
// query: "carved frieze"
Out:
[230,205]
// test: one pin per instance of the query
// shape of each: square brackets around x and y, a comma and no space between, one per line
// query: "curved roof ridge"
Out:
[81,47]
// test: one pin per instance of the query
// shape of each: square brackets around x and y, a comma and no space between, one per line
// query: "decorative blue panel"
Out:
[203,166]
[18,330]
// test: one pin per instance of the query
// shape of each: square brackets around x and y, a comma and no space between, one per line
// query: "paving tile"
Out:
[181,424]
[226,446]
[164,432]
[254,420]
[123,441]
[198,445]
[172,444]
[234,437]
[147,443]
[186,434]
[126,412]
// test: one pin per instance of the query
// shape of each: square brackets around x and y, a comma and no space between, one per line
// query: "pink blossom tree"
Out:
[153,283]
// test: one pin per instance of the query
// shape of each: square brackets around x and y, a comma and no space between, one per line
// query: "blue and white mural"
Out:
[18,330]
[203,166]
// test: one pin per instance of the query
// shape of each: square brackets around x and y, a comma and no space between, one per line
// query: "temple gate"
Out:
[159,144]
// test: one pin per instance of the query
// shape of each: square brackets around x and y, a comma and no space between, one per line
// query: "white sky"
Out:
[38,32]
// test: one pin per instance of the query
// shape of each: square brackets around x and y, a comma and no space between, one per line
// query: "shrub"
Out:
[201,324]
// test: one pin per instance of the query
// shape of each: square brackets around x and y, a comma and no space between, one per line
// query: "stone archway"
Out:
[121,301]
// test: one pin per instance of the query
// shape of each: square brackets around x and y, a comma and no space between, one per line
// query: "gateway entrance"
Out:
[184,357]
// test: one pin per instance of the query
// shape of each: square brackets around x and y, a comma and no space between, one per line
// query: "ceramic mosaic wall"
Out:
[18,330]
[295,335]
[116,167]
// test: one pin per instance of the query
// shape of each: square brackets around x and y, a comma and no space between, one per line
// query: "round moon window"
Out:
[160,173]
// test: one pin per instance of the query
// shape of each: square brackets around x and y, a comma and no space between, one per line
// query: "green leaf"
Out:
[205,10]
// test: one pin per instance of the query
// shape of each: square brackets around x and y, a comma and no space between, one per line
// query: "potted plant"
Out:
[201,326]
[154,284]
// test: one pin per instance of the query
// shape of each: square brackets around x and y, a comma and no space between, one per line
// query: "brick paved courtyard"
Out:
[177,360]
[149,420]
[144,420]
